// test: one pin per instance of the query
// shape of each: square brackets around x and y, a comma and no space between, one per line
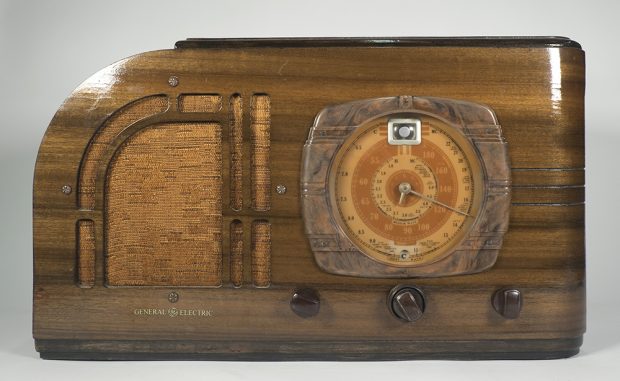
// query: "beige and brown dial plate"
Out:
[406,205]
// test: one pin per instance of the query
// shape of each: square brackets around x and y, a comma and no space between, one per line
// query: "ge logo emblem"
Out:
[173,312]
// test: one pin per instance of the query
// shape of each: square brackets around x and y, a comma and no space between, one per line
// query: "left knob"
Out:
[306,302]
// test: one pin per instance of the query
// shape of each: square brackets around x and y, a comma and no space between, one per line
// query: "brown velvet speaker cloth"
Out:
[236,152]
[164,208]
[86,253]
[200,103]
[261,143]
[236,253]
[261,253]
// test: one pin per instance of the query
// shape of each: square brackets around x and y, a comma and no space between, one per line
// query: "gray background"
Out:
[47,48]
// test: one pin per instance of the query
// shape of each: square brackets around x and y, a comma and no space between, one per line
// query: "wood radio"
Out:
[329,199]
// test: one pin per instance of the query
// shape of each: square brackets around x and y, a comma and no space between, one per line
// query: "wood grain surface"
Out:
[536,90]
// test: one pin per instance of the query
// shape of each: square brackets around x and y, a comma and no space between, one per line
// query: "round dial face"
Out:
[403,203]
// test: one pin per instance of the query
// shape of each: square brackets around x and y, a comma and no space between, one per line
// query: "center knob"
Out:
[406,303]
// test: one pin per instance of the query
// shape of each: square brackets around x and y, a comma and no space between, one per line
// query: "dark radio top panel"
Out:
[313,42]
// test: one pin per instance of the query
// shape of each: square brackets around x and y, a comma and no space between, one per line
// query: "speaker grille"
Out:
[86,253]
[200,103]
[164,207]
[127,115]
[261,143]
[236,152]
[236,253]
[261,253]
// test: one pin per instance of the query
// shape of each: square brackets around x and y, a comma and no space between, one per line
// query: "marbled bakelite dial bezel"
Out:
[476,131]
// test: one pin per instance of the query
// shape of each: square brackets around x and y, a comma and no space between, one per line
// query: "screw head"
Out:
[66,189]
[173,297]
[173,81]
[280,189]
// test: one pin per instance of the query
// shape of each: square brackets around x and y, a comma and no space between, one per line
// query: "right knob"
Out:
[406,303]
[508,302]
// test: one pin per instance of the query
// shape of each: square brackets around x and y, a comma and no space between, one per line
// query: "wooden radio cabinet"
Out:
[334,199]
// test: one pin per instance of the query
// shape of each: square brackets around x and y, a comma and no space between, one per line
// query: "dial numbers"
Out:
[415,226]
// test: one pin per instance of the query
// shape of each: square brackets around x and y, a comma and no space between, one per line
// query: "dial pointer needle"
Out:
[438,203]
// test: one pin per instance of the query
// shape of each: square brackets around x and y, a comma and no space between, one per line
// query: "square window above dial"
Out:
[404,131]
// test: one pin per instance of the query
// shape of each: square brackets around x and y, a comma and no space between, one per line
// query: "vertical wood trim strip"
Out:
[86,253]
[261,143]
[261,253]
[236,152]
[236,253]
